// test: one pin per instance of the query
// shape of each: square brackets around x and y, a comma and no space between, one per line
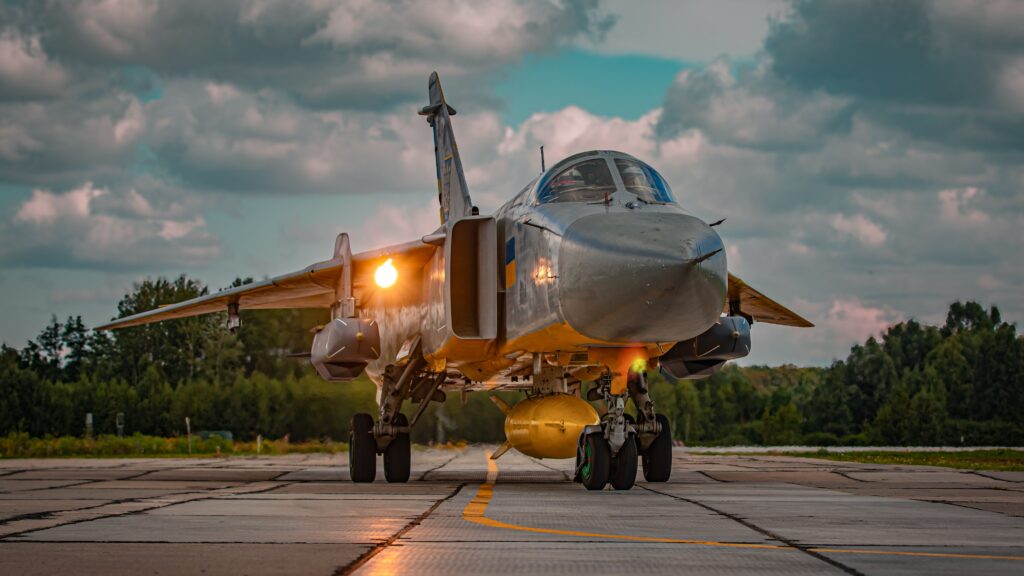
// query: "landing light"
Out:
[638,365]
[386,274]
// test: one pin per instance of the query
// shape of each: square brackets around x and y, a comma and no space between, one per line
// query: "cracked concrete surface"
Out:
[299,514]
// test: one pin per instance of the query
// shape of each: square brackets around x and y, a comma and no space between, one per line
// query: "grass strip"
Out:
[997,460]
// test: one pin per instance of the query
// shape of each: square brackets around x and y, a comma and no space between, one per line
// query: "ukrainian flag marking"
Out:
[510,262]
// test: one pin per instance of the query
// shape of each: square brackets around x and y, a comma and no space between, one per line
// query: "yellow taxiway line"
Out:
[476,510]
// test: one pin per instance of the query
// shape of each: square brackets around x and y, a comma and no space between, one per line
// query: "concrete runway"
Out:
[299,515]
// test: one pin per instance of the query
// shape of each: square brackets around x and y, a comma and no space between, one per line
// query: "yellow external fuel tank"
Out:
[547,426]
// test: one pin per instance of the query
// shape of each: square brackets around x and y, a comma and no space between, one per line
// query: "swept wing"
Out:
[761,308]
[315,286]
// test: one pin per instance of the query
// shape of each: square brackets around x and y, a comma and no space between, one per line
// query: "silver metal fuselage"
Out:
[614,273]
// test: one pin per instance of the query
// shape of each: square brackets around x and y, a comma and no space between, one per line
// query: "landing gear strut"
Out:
[608,452]
[654,434]
[390,434]
[623,470]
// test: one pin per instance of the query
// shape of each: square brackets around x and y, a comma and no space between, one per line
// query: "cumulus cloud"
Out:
[448,29]
[16,142]
[75,79]
[334,54]
[92,227]
[396,224]
[840,323]
[749,108]
[855,321]
[220,137]
[958,208]
[64,141]
[25,69]
[860,228]
[946,71]
[114,28]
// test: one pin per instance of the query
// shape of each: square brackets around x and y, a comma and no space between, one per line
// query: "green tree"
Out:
[782,426]
[154,405]
[175,346]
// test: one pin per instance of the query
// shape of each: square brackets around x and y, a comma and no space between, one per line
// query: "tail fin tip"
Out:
[436,98]
[452,192]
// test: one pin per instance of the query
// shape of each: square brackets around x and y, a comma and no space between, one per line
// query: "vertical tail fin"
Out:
[452,192]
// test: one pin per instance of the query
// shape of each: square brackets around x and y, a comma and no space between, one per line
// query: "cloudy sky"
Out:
[869,156]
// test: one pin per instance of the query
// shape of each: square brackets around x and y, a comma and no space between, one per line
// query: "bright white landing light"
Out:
[386,274]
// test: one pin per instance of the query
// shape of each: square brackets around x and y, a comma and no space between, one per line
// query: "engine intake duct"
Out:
[342,348]
[704,355]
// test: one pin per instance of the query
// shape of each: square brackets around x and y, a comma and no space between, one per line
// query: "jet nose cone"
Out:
[647,277]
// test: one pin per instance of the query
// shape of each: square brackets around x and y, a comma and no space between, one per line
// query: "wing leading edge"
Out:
[761,308]
[315,286]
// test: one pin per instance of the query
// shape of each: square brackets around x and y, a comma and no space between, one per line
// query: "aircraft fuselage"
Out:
[572,276]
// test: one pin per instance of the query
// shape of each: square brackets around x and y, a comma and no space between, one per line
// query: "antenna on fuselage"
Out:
[542,168]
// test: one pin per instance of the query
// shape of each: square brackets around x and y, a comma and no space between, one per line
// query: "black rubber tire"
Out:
[398,454]
[597,460]
[579,458]
[657,459]
[623,469]
[362,449]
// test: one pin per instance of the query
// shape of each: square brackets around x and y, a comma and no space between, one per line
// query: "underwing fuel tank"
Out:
[546,426]
[700,357]
[343,348]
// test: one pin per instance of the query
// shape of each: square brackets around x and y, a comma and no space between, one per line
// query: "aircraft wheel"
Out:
[362,449]
[596,461]
[579,459]
[397,456]
[623,469]
[657,459]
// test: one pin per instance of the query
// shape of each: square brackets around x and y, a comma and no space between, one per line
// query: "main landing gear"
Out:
[607,453]
[363,450]
[389,436]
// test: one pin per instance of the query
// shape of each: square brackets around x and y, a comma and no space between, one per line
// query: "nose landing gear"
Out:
[593,461]
[623,469]
[607,453]
[597,467]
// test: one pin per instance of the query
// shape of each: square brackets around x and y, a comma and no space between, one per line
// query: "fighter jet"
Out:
[585,281]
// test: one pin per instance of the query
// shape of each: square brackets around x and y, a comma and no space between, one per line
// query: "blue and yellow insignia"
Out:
[510,262]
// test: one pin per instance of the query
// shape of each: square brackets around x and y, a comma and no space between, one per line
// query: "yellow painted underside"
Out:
[483,361]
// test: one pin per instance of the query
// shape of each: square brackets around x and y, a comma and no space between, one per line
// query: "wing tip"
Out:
[115,324]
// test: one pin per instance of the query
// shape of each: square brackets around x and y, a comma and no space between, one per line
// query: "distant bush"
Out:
[820,439]
[861,439]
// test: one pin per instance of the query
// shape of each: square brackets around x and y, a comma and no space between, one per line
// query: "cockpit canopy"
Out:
[592,176]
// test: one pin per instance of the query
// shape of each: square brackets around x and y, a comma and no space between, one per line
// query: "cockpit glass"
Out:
[642,180]
[587,181]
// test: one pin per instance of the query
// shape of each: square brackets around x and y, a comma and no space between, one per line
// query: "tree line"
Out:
[959,383]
